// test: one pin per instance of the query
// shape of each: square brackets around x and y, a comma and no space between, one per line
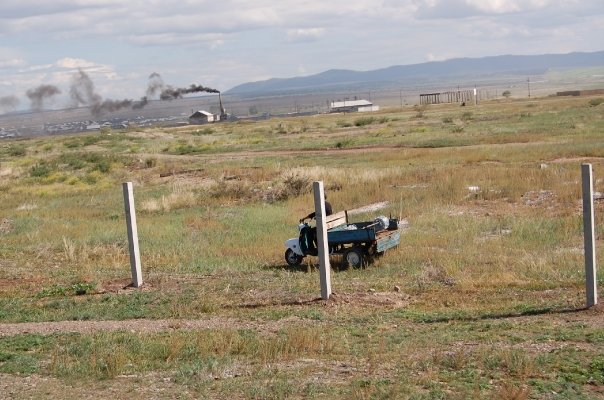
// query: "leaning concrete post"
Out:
[322,245]
[135,258]
[589,235]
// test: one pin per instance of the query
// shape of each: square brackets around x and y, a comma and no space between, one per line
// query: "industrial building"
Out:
[203,117]
[352,106]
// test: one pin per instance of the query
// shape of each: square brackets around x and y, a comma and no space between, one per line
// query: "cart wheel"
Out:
[292,258]
[354,257]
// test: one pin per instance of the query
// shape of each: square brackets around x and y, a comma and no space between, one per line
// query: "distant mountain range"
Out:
[405,74]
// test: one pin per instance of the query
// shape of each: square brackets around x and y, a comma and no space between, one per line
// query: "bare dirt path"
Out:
[143,326]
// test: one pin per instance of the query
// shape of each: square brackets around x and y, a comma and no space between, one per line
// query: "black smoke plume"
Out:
[8,104]
[82,93]
[156,84]
[40,94]
[171,93]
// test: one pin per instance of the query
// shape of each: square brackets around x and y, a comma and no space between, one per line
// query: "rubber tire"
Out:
[292,259]
[354,257]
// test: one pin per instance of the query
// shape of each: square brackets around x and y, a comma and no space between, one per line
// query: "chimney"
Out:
[223,114]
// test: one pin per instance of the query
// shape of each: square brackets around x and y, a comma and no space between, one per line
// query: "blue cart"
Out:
[358,242]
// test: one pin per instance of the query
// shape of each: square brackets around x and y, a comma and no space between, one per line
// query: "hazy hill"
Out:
[438,70]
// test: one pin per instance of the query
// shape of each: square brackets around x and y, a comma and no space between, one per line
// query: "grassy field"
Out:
[483,298]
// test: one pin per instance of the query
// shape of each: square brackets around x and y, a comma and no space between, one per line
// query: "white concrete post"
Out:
[589,236]
[135,258]
[322,245]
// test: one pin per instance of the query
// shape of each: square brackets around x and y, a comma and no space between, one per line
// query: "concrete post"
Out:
[322,245]
[135,258]
[589,236]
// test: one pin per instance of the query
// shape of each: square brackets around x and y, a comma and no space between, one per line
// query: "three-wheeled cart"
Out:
[357,242]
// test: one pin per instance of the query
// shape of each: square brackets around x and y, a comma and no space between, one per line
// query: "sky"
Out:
[220,44]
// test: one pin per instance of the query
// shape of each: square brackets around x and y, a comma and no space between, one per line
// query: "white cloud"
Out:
[73,63]
[212,41]
[447,9]
[305,35]
[12,63]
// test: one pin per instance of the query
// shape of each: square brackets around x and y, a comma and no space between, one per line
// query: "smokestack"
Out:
[223,113]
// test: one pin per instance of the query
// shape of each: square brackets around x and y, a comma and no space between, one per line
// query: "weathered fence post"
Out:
[135,258]
[589,236]
[322,245]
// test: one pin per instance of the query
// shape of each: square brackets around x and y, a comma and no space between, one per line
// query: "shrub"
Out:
[291,184]
[343,124]
[41,170]
[596,102]
[467,116]
[89,140]
[150,162]
[506,94]
[364,121]
[447,120]
[420,111]
[73,160]
[205,131]
[281,129]
[17,150]
[185,148]
[343,143]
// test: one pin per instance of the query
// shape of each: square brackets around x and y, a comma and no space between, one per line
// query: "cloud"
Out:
[12,63]
[212,41]
[451,9]
[74,63]
[305,35]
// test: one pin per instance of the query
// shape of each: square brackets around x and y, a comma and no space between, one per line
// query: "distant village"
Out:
[198,117]
[113,123]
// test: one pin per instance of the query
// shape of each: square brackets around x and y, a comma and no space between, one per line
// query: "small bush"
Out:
[447,120]
[204,131]
[77,289]
[103,165]
[41,170]
[343,124]
[292,184]
[92,178]
[456,129]
[506,94]
[72,144]
[281,129]
[90,140]
[364,121]
[420,110]
[343,144]
[73,160]
[17,150]
[150,162]
[467,116]
[185,148]
[596,102]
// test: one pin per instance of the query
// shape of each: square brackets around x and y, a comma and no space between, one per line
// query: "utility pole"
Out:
[401,93]
[528,83]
